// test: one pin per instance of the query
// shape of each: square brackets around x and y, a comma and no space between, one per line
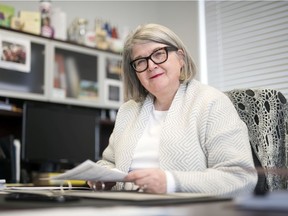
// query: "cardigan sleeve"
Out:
[125,111]
[230,168]
[108,156]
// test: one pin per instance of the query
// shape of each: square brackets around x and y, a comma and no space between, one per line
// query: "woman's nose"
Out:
[151,65]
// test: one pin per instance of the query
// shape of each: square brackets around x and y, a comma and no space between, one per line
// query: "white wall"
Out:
[180,16]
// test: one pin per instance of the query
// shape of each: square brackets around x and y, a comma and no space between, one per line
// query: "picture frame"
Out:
[113,68]
[15,54]
[113,92]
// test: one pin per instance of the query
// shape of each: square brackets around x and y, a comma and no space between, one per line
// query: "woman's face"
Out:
[159,79]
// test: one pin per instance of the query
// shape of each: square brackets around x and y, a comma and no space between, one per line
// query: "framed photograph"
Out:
[113,92]
[15,54]
[113,68]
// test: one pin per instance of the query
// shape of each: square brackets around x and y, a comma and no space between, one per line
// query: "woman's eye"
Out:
[140,62]
[158,54]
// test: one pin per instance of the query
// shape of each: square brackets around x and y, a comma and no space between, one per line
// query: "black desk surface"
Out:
[211,208]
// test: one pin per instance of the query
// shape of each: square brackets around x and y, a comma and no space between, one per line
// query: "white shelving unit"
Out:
[60,72]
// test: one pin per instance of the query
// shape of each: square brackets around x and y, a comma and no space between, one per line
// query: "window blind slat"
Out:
[257,53]
[246,73]
[255,63]
[262,34]
[254,78]
[267,45]
[260,15]
[247,44]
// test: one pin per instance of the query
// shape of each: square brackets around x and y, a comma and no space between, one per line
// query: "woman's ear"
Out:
[181,55]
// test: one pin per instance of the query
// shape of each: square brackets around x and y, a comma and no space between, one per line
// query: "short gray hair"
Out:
[133,89]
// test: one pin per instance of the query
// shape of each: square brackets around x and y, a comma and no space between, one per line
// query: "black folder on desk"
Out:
[125,197]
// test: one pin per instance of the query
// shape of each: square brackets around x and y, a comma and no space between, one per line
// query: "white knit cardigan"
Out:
[203,142]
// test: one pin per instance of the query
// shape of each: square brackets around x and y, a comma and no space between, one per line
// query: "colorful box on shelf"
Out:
[6,14]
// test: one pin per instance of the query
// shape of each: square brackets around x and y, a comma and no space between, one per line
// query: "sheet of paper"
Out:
[89,170]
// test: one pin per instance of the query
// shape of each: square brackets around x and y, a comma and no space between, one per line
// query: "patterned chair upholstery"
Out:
[265,111]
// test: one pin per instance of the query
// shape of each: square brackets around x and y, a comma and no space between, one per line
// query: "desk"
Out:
[94,207]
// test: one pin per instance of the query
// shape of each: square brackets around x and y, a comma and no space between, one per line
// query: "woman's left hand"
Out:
[149,180]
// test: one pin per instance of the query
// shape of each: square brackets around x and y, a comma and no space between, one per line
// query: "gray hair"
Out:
[133,89]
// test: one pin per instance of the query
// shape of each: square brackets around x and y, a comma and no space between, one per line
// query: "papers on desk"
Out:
[89,170]
[276,201]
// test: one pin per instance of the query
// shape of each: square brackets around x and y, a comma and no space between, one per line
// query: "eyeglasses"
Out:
[159,56]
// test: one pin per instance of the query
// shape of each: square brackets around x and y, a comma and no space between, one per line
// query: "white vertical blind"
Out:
[247,44]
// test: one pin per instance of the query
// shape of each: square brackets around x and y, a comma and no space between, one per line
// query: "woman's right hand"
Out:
[98,185]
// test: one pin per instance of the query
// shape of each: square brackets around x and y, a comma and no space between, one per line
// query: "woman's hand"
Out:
[98,185]
[149,180]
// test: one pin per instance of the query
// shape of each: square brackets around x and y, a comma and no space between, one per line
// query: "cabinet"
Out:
[56,73]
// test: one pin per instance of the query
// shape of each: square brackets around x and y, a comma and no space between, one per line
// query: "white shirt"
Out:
[146,154]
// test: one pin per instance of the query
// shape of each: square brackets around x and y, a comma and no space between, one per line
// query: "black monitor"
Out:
[59,133]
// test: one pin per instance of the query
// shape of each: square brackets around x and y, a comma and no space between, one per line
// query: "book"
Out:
[59,72]
[88,90]
[6,14]
[44,179]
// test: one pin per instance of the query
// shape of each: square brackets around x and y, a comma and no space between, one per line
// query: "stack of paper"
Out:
[89,170]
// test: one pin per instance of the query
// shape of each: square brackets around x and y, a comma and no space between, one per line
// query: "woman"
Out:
[174,134]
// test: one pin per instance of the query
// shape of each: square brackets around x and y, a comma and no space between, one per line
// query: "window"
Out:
[247,44]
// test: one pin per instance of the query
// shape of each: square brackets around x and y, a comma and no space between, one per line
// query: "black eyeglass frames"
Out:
[159,56]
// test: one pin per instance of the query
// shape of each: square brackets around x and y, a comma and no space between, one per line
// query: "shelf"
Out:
[107,122]
[10,113]
[57,40]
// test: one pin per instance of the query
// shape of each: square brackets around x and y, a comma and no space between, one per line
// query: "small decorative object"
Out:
[101,36]
[45,10]
[46,29]
[17,24]
[81,30]
[77,30]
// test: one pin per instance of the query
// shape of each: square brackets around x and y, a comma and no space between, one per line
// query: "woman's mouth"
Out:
[155,76]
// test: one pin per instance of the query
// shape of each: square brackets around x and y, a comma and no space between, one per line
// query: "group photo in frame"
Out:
[15,54]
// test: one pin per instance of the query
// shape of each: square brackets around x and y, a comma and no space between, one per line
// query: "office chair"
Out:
[265,112]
